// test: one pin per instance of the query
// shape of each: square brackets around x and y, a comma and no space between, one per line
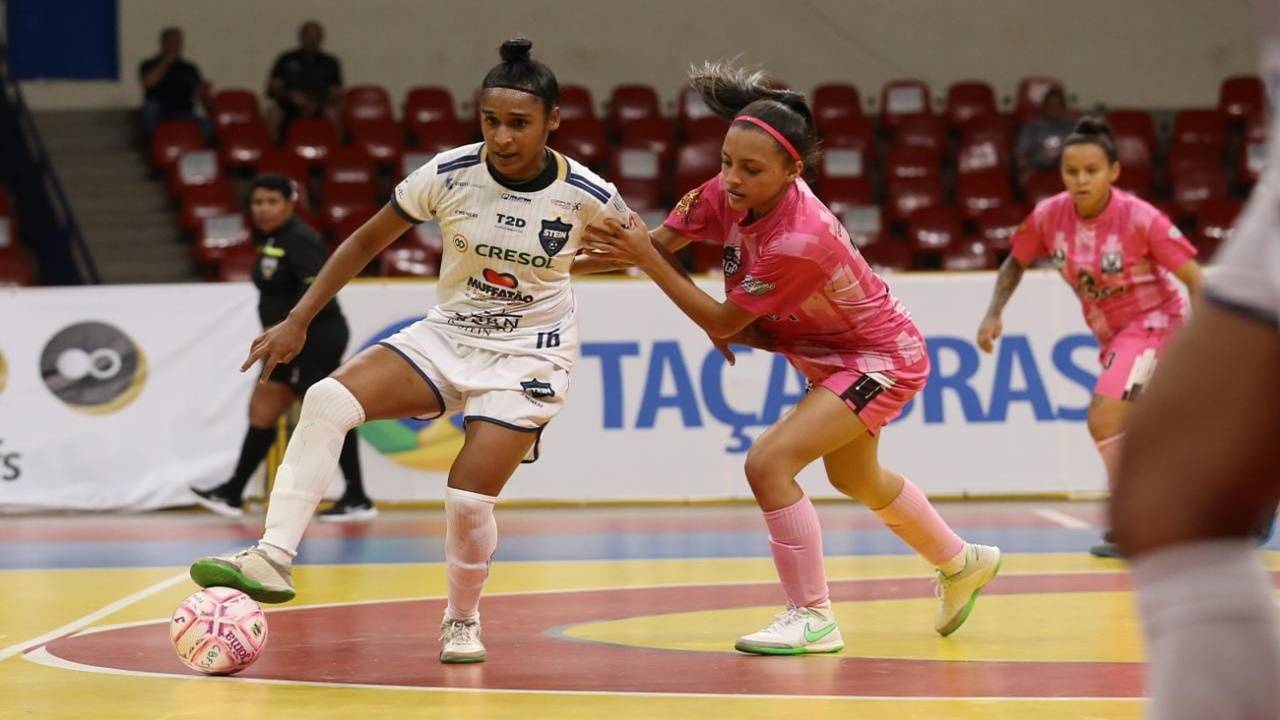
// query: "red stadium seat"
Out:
[312,139]
[237,264]
[1214,224]
[841,194]
[905,161]
[906,195]
[194,167]
[969,99]
[350,173]
[637,173]
[426,105]
[411,161]
[242,145]
[283,162]
[978,192]
[982,155]
[903,98]
[931,230]
[234,107]
[629,104]
[892,255]
[219,236]
[655,133]
[1134,125]
[1241,97]
[923,131]
[835,102]
[583,140]
[347,205]
[363,103]
[1031,92]
[997,225]
[695,164]
[441,136]
[967,255]
[865,224]
[1196,179]
[706,130]
[382,140]
[172,138]
[1199,127]
[1042,184]
[690,108]
[576,104]
[15,271]
[1135,149]
[203,201]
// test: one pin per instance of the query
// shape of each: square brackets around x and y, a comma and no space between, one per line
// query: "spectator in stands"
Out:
[171,84]
[1039,145]
[306,82]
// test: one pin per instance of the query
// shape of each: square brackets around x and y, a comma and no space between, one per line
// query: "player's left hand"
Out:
[629,243]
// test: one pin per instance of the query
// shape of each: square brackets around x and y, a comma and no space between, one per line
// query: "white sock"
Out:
[329,410]
[1209,616]
[956,563]
[471,536]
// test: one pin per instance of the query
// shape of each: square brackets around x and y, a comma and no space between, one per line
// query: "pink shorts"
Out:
[1128,360]
[878,397]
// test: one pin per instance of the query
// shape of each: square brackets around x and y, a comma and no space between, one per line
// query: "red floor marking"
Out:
[394,643]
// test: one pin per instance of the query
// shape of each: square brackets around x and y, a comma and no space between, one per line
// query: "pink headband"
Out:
[786,144]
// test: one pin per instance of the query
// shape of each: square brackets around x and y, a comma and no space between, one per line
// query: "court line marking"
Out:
[42,656]
[1063,519]
[92,617]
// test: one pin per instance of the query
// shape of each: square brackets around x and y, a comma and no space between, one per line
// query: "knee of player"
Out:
[765,465]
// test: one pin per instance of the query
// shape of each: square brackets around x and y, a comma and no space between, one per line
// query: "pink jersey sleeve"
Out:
[700,213]
[1027,245]
[1167,244]
[781,279]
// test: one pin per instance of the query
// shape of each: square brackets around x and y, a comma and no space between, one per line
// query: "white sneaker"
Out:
[250,571]
[959,592]
[460,641]
[795,631]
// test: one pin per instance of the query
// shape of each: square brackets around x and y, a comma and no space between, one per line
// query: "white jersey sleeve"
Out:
[417,197]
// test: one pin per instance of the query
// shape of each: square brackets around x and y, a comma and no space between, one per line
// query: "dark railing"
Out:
[46,224]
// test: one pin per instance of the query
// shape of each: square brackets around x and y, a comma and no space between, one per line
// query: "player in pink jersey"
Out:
[795,284]
[1117,252]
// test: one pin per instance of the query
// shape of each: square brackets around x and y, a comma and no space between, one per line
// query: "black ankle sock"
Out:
[349,461]
[257,441]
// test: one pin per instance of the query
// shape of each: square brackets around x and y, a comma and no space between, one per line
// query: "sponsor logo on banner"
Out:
[428,445]
[9,469]
[554,235]
[93,367]
[690,389]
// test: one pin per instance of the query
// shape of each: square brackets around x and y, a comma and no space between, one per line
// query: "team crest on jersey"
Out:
[756,287]
[1112,262]
[554,235]
[688,204]
[732,260]
[268,266]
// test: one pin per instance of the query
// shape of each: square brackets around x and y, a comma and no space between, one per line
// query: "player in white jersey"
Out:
[1202,466]
[498,347]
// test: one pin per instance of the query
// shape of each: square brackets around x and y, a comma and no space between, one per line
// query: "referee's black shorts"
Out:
[326,342]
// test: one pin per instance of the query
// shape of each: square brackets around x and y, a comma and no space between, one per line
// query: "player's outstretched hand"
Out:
[988,331]
[629,243]
[277,344]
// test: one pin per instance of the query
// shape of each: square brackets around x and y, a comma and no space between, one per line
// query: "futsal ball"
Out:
[218,631]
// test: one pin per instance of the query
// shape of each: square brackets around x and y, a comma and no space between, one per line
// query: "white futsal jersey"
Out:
[1247,268]
[504,278]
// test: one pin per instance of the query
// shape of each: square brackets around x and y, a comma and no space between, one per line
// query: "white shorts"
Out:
[521,391]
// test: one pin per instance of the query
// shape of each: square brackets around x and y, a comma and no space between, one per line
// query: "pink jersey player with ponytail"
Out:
[796,285]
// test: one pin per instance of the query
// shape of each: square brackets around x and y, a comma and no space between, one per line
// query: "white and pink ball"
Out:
[218,631]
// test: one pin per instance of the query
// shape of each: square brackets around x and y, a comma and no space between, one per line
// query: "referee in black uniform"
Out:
[289,255]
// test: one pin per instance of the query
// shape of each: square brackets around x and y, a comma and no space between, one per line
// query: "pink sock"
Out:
[795,538]
[1109,449]
[911,517]
[471,536]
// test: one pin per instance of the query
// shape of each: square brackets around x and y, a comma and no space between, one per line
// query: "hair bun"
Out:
[1092,125]
[516,50]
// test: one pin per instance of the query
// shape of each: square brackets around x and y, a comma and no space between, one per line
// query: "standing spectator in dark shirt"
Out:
[171,84]
[306,82]
[1039,144]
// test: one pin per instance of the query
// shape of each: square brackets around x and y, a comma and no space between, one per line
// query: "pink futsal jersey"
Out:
[796,268]
[1118,263]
